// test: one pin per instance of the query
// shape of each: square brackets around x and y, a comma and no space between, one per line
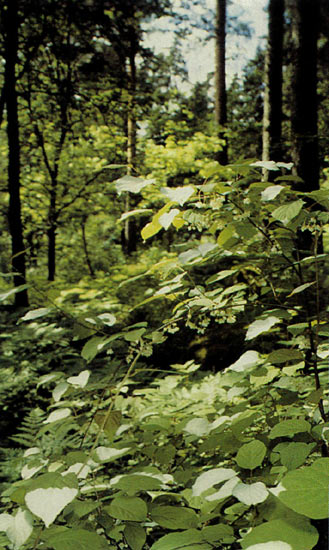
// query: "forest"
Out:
[164,277]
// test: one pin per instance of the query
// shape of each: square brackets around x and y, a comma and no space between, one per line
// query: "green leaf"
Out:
[108,454]
[81,380]
[216,533]
[300,536]
[131,184]
[12,291]
[225,235]
[18,528]
[210,478]
[135,536]
[294,454]
[174,517]
[288,428]
[249,359]
[59,414]
[134,335]
[250,494]
[168,217]
[198,427]
[93,347]
[36,314]
[260,326]
[288,211]
[266,164]
[150,230]
[178,194]
[251,455]
[272,545]
[283,355]
[187,540]
[112,422]
[306,491]
[134,483]
[127,509]
[49,494]
[301,288]
[74,539]
[271,192]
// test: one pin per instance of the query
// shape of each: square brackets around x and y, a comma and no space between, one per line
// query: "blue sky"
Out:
[200,57]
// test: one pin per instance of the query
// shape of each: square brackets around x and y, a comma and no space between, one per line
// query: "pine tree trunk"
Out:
[272,119]
[15,219]
[304,110]
[220,73]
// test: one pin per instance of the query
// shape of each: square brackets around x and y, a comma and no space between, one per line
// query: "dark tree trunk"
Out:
[272,120]
[220,73]
[15,219]
[304,110]
[129,232]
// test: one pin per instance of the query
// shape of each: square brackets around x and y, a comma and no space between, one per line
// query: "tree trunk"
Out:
[304,110]
[85,247]
[272,119]
[220,74]
[129,232]
[14,213]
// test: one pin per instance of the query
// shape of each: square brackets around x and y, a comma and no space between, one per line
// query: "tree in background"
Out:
[10,18]
[272,122]
[220,73]
[304,108]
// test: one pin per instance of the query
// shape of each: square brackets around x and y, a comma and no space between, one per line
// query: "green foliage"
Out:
[223,460]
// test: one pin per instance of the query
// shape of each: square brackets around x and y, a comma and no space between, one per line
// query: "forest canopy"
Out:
[164,278]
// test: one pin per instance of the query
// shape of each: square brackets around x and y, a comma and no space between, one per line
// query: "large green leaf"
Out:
[74,539]
[251,455]
[131,184]
[174,517]
[178,194]
[49,494]
[250,494]
[134,483]
[210,478]
[306,491]
[288,428]
[260,326]
[135,536]
[18,528]
[283,355]
[127,509]
[187,540]
[300,536]
[288,212]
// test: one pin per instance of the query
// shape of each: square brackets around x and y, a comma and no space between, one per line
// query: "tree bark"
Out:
[272,119]
[14,213]
[304,110]
[220,74]
[129,231]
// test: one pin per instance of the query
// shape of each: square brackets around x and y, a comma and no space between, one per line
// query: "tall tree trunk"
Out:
[15,219]
[129,237]
[304,111]
[272,119]
[220,73]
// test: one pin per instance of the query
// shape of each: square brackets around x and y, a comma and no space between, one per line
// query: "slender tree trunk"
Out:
[304,111]
[15,219]
[272,119]
[85,247]
[220,73]
[129,239]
